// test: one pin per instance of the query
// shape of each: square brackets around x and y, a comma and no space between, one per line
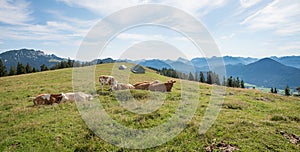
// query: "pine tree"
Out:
[196,77]
[242,84]
[209,78]
[229,82]
[287,91]
[20,68]
[70,62]
[224,81]
[3,70]
[28,68]
[216,79]
[33,70]
[44,67]
[238,85]
[275,90]
[12,71]
[298,89]
[202,79]
[234,82]
[191,77]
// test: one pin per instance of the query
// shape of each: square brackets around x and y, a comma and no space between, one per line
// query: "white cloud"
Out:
[196,7]
[102,7]
[139,37]
[105,7]
[15,12]
[282,16]
[227,37]
[249,3]
[291,46]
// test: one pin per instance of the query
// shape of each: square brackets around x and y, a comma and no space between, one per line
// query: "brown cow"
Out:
[47,99]
[162,87]
[122,86]
[144,85]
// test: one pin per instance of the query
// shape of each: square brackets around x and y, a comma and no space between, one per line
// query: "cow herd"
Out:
[49,99]
[146,85]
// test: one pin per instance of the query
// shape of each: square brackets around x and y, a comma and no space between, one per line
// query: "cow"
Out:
[108,80]
[49,99]
[122,86]
[162,87]
[78,96]
[144,85]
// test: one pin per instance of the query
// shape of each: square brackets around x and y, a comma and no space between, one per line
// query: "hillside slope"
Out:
[249,119]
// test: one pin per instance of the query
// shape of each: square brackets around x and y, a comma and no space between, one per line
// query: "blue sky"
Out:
[248,28]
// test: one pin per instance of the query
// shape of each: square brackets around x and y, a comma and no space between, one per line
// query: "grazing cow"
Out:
[122,86]
[78,96]
[144,85]
[162,87]
[47,99]
[107,80]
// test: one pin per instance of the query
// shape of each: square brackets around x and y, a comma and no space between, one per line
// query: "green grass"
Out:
[248,118]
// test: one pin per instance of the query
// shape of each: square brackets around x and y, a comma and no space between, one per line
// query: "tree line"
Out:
[211,77]
[23,69]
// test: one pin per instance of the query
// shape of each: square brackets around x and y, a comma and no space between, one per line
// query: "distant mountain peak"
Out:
[34,57]
[183,60]
[267,61]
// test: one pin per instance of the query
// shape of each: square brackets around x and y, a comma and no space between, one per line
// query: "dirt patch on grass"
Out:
[222,146]
[294,139]
[263,99]
[235,105]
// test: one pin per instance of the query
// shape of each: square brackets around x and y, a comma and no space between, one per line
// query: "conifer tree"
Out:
[209,78]
[242,84]
[3,70]
[20,68]
[202,79]
[196,77]
[216,79]
[33,70]
[275,90]
[191,77]
[44,67]
[28,68]
[229,82]
[287,91]
[224,81]
[12,71]
[298,89]
[238,85]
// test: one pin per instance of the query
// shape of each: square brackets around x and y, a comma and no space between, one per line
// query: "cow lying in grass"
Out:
[144,85]
[108,80]
[162,87]
[78,96]
[49,99]
[155,86]
[122,86]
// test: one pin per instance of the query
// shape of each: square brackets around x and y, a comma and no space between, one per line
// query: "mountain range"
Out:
[268,72]
[35,58]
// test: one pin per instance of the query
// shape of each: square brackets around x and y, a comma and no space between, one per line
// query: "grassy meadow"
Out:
[249,119]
